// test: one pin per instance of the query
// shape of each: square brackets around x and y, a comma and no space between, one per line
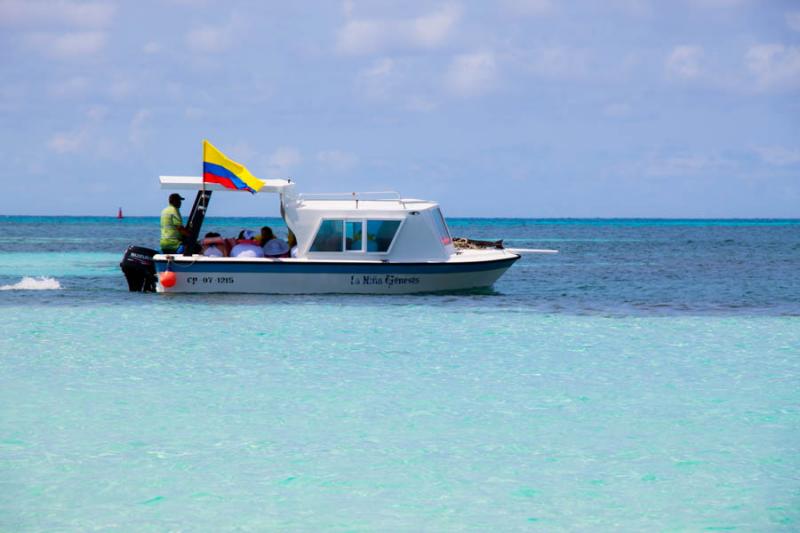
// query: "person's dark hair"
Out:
[267,232]
[212,234]
[241,235]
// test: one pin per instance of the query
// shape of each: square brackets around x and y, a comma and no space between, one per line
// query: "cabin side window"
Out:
[353,235]
[380,234]
[329,237]
[441,227]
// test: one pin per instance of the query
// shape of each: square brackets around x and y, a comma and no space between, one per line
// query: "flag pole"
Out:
[202,172]
[197,215]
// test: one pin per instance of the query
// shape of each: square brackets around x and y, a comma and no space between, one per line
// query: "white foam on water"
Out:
[41,283]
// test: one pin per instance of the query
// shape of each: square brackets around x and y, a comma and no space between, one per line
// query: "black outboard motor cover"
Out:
[139,269]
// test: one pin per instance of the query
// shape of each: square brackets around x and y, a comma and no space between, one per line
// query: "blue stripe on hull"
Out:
[270,267]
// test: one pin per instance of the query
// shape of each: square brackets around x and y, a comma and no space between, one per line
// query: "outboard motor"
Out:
[139,269]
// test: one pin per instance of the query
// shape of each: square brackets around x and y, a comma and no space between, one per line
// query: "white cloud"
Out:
[71,45]
[241,151]
[282,160]
[376,80]
[60,13]
[793,20]
[68,141]
[215,38]
[121,88]
[774,66]
[420,104]
[337,161]
[684,62]
[151,47]
[779,155]
[194,113]
[528,7]
[374,35]
[471,74]
[559,63]
[716,4]
[432,30]
[617,110]
[362,36]
[71,87]
[137,131]
[208,39]
[386,80]
[683,165]
[636,8]
[78,138]
[97,113]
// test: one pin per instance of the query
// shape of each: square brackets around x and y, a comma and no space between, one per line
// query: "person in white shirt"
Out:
[246,245]
[213,245]
[271,245]
[213,251]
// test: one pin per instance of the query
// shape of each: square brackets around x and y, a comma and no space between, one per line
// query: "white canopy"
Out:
[196,183]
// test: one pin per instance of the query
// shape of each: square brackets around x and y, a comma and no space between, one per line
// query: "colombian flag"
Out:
[217,168]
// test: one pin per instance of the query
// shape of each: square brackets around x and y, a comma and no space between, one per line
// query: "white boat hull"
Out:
[291,276]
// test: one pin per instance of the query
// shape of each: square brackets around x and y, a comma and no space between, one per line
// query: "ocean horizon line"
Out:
[587,218]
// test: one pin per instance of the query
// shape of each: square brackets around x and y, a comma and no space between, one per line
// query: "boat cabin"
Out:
[345,226]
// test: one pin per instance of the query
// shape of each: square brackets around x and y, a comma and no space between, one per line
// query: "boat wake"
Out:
[27,283]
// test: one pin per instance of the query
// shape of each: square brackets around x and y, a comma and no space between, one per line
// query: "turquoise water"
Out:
[645,378]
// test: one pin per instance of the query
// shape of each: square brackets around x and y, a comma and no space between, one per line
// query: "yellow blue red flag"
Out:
[217,168]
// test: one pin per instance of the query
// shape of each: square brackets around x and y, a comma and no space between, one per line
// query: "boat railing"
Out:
[377,196]
[370,195]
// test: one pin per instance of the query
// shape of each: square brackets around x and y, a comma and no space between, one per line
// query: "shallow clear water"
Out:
[645,378]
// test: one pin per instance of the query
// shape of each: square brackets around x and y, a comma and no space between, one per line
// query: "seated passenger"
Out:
[246,245]
[213,245]
[273,246]
[292,245]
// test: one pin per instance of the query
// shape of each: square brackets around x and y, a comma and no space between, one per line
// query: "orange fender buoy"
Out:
[168,278]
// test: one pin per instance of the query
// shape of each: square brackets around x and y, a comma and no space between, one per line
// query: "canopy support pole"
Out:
[196,218]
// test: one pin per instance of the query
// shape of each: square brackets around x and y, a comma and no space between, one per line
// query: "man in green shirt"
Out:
[172,229]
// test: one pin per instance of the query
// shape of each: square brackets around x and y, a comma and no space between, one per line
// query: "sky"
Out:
[510,108]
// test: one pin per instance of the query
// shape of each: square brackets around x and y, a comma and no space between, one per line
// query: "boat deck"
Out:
[463,256]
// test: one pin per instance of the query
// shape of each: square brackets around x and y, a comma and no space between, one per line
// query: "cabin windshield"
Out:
[441,227]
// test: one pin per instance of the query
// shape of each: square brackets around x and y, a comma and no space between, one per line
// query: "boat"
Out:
[368,243]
